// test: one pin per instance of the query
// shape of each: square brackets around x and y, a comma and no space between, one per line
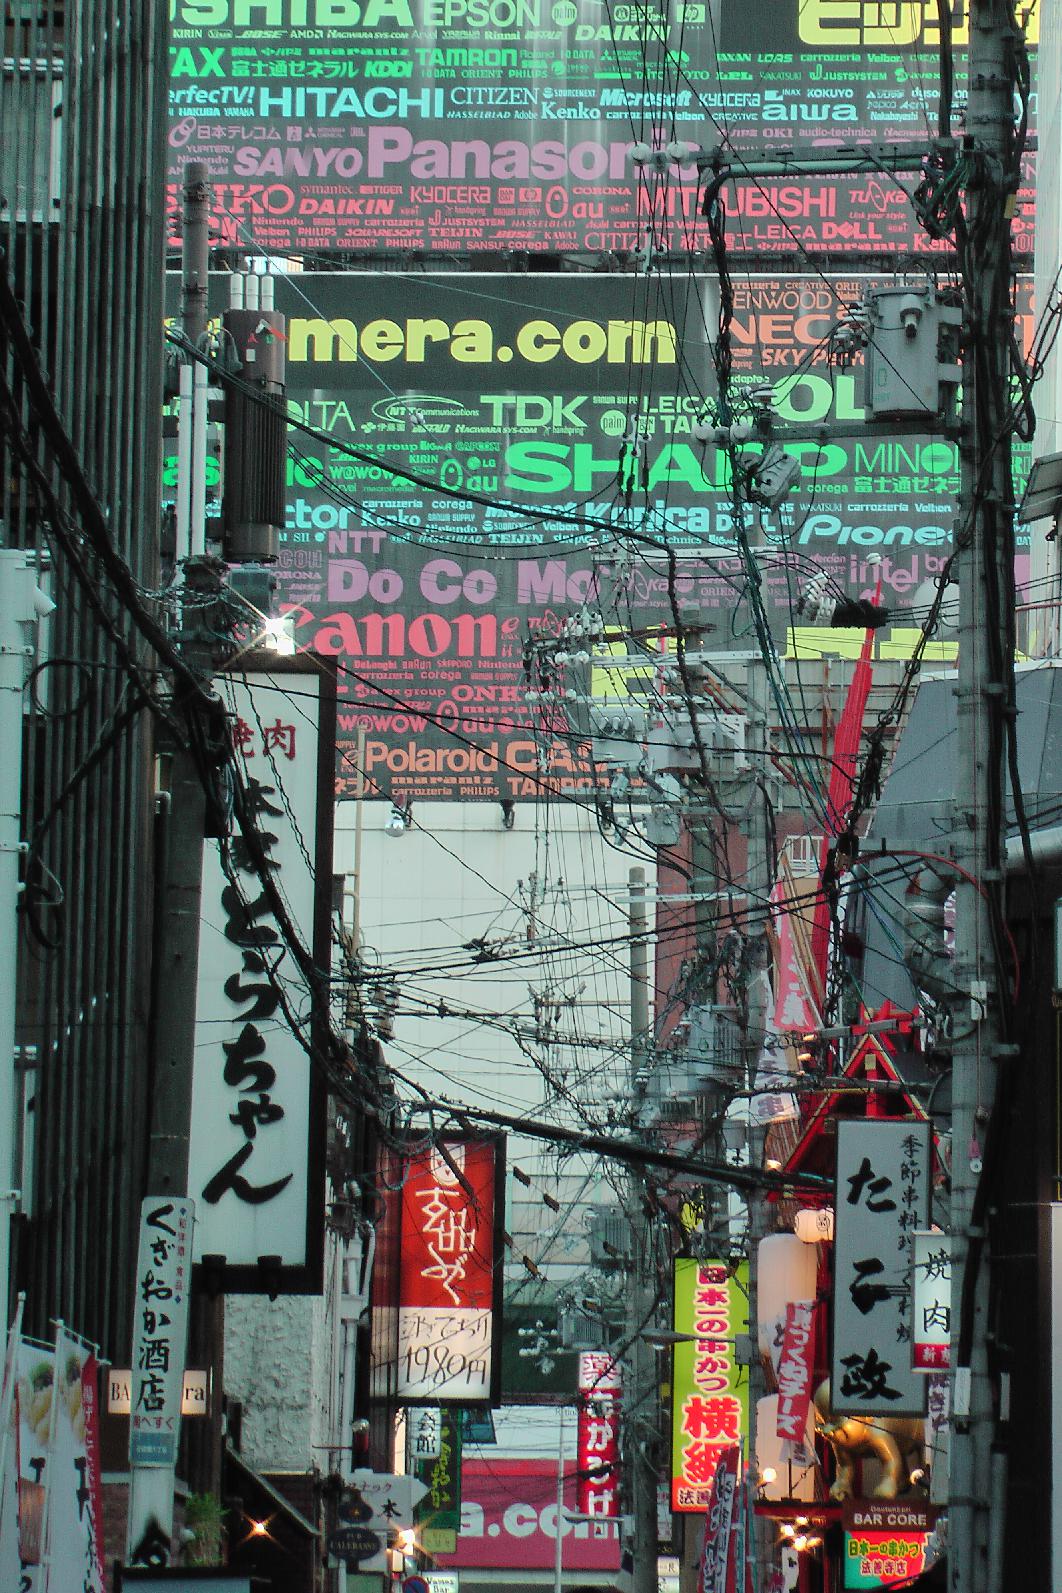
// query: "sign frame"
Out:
[403,1395]
[882,1198]
[306,1275]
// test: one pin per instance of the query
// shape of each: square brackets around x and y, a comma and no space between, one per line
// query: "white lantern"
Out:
[814,1225]
[786,1271]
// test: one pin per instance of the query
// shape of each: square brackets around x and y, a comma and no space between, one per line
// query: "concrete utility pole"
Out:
[151,1488]
[976,1487]
[641,1399]
[757,960]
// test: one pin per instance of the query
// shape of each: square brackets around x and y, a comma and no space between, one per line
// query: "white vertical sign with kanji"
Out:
[251,1171]
[160,1329]
[931,1330]
[882,1201]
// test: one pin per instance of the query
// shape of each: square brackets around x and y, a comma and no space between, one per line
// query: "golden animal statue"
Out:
[895,1441]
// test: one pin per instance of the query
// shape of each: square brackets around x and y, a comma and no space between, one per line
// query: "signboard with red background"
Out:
[449,1282]
[508,1520]
[600,1386]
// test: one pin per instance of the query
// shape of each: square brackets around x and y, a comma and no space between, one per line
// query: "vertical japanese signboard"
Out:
[795,1371]
[717,1567]
[34,1401]
[931,1279]
[160,1329]
[710,1391]
[598,1449]
[450,1275]
[438,1514]
[882,1200]
[256,1156]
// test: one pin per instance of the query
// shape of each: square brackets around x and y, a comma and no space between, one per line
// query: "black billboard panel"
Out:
[477,442]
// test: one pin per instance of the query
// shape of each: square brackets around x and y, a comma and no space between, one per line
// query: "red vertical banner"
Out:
[450,1273]
[93,1472]
[795,1371]
[600,1388]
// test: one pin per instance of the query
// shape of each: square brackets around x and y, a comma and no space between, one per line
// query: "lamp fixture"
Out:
[398,820]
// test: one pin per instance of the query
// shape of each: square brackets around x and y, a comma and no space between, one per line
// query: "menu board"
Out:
[457,127]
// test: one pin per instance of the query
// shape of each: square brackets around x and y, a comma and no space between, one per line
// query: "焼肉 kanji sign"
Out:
[256,1139]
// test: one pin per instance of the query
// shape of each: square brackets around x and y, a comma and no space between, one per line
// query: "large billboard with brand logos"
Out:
[472,126]
[472,456]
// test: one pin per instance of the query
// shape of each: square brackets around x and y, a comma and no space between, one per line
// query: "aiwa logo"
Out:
[420,408]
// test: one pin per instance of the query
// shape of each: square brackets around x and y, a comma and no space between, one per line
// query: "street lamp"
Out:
[664,1338]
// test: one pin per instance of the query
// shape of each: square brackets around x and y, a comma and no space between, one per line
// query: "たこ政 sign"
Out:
[882,1200]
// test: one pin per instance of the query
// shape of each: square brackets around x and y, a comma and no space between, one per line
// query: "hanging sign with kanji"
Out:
[882,1201]
[256,1151]
[931,1279]
[160,1329]
[795,1371]
[449,1281]
[710,1404]
[598,1443]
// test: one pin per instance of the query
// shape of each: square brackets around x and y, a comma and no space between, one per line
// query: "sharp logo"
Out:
[418,407]
[883,26]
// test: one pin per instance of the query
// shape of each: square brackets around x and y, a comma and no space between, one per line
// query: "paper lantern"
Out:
[786,1271]
[814,1225]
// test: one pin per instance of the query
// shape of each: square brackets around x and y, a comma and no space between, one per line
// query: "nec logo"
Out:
[879,25]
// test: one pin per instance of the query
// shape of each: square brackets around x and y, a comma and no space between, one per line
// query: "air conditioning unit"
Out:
[610,1239]
[579,1329]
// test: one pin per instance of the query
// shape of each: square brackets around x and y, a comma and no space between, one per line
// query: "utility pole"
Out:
[985,674]
[758,883]
[641,1400]
[183,828]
